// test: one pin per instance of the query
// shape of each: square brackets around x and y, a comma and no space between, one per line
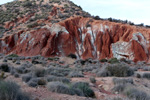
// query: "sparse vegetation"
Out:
[122,81]
[11,91]
[60,79]
[58,87]
[120,70]
[79,88]
[84,87]
[75,74]
[136,94]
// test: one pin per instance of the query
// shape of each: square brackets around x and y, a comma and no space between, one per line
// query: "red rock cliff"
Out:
[84,37]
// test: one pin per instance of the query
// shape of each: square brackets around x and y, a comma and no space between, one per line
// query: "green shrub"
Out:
[13,55]
[22,96]
[92,79]
[58,87]
[60,79]
[76,74]
[103,73]
[21,70]
[120,70]
[2,75]
[5,67]
[11,91]
[73,56]
[103,60]
[50,58]
[32,83]
[84,87]
[39,72]
[27,4]
[119,88]
[66,6]
[113,60]
[26,78]
[57,71]
[53,58]
[41,82]
[78,88]
[136,94]
[122,81]
[138,75]
[32,25]
[130,91]
[16,75]
[146,75]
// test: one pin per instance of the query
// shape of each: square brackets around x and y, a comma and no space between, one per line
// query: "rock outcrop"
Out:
[85,37]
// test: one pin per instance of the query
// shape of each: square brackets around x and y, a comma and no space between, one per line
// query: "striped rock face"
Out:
[85,37]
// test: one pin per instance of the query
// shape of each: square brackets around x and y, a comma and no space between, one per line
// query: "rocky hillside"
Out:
[59,28]
[25,14]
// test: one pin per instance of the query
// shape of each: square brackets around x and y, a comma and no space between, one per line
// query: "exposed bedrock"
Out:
[85,37]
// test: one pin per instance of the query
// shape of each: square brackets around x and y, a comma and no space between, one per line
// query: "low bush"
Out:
[103,60]
[76,74]
[138,75]
[136,94]
[92,80]
[127,88]
[12,71]
[120,70]
[119,88]
[27,4]
[41,82]
[23,96]
[2,75]
[5,67]
[57,71]
[32,25]
[33,82]
[84,87]
[11,91]
[16,75]
[122,81]
[26,78]
[60,79]
[58,87]
[78,88]
[103,72]
[38,72]
[53,58]
[113,60]
[146,75]
[73,56]
[22,70]
[13,55]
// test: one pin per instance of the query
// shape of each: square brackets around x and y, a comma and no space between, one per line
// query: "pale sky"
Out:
[136,11]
